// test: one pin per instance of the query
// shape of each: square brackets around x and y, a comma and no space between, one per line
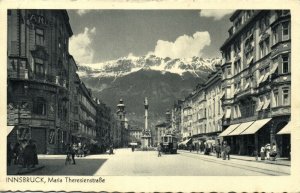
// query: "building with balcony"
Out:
[104,126]
[86,132]
[214,112]
[38,76]
[256,79]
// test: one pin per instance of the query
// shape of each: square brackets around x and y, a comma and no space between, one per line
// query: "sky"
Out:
[103,35]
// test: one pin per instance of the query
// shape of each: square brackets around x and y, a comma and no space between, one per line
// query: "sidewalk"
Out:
[278,161]
[19,170]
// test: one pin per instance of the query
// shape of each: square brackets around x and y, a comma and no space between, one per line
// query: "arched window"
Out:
[39,106]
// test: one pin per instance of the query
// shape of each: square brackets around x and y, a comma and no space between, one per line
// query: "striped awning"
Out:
[285,130]
[229,130]
[255,126]
[241,128]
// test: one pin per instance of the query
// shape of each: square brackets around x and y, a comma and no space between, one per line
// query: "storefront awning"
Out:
[255,126]
[286,129]
[241,128]
[185,142]
[9,129]
[229,130]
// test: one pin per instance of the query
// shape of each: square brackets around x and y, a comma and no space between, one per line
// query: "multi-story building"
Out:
[256,80]
[104,123]
[38,73]
[186,118]
[87,116]
[214,112]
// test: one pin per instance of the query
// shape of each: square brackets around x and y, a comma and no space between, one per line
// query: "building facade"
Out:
[214,111]
[256,79]
[38,75]
[46,101]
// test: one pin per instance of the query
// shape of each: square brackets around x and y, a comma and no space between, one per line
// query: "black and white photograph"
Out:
[149,92]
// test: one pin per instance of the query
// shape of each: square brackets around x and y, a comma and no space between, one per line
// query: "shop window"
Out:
[285,31]
[285,97]
[285,64]
[39,106]
[39,37]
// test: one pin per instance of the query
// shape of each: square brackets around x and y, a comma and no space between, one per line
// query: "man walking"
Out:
[159,150]
[218,149]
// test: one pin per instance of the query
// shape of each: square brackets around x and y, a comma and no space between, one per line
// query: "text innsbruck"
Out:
[54,180]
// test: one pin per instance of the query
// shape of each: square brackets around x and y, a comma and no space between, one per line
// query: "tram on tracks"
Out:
[169,143]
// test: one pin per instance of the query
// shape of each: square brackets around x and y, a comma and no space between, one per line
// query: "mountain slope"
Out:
[162,80]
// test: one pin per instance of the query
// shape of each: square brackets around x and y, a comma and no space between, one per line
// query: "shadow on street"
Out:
[83,167]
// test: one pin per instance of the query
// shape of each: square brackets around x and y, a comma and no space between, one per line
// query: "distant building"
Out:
[121,134]
[160,130]
[135,135]
[256,79]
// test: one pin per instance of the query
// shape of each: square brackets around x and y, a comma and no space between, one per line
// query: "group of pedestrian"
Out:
[22,153]
[80,150]
[267,152]
[222,150]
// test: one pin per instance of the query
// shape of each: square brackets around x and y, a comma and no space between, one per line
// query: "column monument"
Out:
[146,135]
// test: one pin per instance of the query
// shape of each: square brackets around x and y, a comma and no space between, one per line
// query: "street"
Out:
[146,163]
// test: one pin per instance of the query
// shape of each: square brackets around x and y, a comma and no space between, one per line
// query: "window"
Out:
[285,64]
[228,93]
[39,66]
[275,102]
[285,31]
[285,97]
[39,106]
[275,35]
[39,36]
[228,70]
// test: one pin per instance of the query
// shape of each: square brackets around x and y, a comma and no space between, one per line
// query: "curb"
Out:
[265,162]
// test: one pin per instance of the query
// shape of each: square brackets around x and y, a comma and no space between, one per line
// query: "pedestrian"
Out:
[255,153]
[35,160]
[218,150]
[223,149]
[267,150]
[197,147]
[28,154]
[16,152]
[273,152]
[159,150]
[228,151]
[10,153]
[73,152]
[262,153]
[111,150]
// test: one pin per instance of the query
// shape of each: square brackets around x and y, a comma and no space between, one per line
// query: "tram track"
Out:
[236,165]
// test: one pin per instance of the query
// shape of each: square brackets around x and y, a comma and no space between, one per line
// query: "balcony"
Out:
[280,110]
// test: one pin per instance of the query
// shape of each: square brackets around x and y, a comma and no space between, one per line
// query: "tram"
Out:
[169,143]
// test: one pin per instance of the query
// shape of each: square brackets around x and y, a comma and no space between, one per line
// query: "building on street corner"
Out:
[46,100]
[256,71]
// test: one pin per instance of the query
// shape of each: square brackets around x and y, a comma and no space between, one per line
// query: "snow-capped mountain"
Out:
[162,80]
[126,65]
